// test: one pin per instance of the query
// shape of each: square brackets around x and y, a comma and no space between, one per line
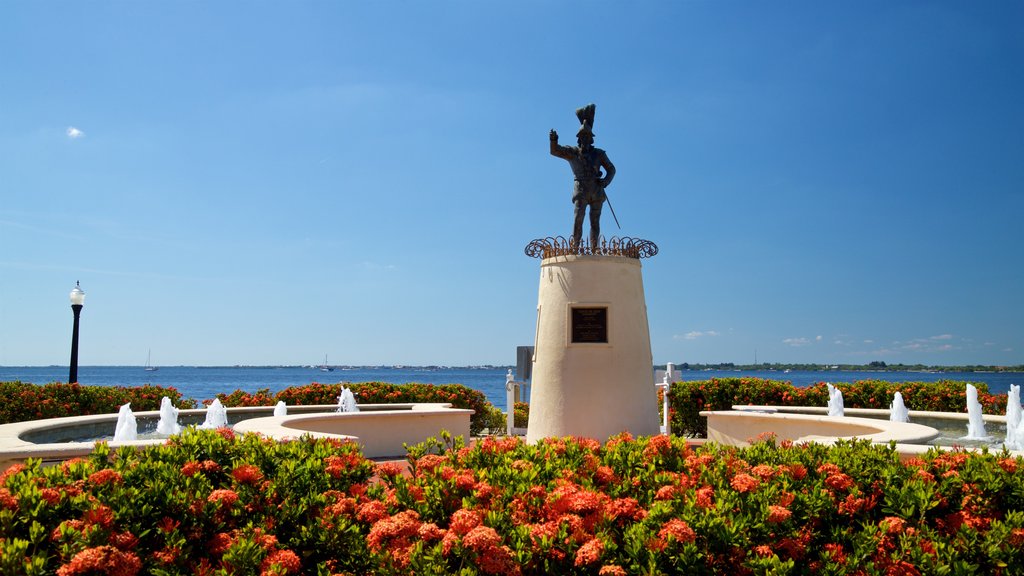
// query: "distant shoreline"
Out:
[871,367]
[776,367]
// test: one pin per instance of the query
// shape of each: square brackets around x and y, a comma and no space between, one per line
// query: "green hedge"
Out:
[687,399]
[210,503]
[20,401]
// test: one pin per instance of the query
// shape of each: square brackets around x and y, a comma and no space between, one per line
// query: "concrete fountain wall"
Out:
[381,429]
[811,424]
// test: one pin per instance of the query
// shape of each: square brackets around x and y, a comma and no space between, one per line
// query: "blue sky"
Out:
[270,182]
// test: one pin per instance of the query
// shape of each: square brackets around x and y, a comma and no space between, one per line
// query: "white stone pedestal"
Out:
[592,357]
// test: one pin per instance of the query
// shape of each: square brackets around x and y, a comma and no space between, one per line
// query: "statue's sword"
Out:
[609,201]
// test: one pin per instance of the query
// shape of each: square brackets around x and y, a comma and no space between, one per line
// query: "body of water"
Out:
[202,382]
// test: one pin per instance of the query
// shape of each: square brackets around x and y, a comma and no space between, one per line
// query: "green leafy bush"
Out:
[687,399]
[210,503]
[20,401]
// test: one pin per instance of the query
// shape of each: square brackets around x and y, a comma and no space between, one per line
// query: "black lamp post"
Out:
[77,300]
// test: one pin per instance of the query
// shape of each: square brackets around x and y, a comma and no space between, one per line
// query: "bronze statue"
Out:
[589,184]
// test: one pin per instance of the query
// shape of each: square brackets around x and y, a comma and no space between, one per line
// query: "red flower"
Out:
[627,509]
[102,560]
[482,539]
[892,524]
[394,532]
[167,524]
[665,493]
[247,474]
[763,471]
[1008,464]
[284,559]
[105,476]
[463,521]
[704,497]
[101,516]
[835,551]
[224,496]
[220,543]
[50,495]
[388,469]
[590,552]
[371,511]
[678,530]
[190,468]
[612,570]
[839,482]
[797,471]
[465,480]
[777,514]
[429,532]
[744,483]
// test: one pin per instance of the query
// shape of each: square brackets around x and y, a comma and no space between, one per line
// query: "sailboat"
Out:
[149,366]
[324,367]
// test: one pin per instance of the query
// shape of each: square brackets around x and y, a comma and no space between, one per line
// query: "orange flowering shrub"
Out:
[207,503]
[20,401]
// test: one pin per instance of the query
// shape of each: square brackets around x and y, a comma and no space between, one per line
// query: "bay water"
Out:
[205,382]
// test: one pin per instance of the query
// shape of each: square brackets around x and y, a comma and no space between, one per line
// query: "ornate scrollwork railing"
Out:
[615,246]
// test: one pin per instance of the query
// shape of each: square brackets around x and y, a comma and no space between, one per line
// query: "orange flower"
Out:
[482,539]
[102,560]
[704,497]
[839,482]
[224,496]
[284,559]
[744,483]
[590,552]
[763,471]
[777,514]
[463,521]
[247,474]
[371,511]
[677,530]
[105,476]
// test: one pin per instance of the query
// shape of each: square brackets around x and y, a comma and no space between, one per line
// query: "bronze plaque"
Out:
[589,325]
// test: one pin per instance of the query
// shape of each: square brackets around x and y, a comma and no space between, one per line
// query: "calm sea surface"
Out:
[205,382]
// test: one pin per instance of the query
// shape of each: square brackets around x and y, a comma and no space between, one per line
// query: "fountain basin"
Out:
[907,446]
[58,439]
[736,427]
[380,433]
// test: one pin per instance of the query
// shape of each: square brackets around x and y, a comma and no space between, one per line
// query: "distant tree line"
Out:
[876,365]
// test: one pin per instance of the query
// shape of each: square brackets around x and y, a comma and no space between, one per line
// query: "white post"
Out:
[510,402]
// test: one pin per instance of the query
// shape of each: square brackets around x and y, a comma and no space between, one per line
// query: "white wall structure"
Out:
[592,356]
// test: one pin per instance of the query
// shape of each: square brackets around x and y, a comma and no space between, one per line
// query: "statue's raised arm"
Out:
[589,182]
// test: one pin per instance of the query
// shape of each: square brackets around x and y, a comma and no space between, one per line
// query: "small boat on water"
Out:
[324,367]
[149,365]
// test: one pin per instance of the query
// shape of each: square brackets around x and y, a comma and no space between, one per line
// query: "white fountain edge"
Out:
[904,449]
[865,412]
[14,449]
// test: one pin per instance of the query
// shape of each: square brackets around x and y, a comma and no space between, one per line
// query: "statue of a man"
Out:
[589,183]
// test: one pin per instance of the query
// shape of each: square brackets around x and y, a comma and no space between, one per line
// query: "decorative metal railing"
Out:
[615,246]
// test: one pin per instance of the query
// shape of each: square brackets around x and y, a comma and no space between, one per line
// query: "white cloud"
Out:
[796,342]
[818,338]
[74,133]
[695,334]
[942,337]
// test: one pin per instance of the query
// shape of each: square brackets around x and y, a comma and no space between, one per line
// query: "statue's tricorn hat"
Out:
[586,117]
